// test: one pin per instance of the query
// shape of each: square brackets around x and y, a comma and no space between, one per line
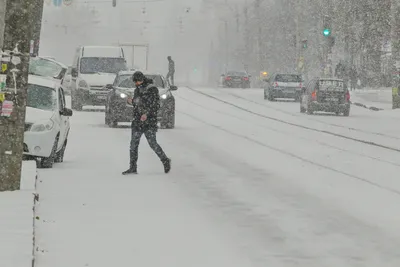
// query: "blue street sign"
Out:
[57,2]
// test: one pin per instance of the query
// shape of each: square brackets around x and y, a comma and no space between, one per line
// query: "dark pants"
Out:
[171,75]
[151,136]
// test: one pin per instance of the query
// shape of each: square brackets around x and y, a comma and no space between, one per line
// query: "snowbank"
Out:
[17,221]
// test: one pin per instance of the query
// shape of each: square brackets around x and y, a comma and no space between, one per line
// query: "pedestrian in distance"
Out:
[146,103]
[171,70]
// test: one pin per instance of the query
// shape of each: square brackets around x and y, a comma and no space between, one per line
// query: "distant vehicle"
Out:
[235,79]
[118,110]
[93,68]
[47,122]
[327,95]
[46,67]
[283,86]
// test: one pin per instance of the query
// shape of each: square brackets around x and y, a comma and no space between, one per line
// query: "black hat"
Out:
[138,76]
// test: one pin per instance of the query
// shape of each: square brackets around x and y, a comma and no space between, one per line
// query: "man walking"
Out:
[146,102]
[171,70]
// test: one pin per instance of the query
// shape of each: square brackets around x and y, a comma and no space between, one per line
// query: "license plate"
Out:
[332,99]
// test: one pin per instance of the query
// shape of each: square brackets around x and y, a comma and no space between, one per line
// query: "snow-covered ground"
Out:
[17,221]
[380,98]
[253,183]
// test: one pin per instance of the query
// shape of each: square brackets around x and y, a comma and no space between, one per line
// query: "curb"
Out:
[364,106]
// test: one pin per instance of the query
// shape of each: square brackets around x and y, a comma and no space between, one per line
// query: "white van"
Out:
[92,69]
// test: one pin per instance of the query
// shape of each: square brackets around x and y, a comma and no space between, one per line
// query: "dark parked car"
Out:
[118,109]
[236,79]
[327,95]
[283,86]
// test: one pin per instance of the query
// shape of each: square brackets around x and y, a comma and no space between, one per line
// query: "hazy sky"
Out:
[166,26]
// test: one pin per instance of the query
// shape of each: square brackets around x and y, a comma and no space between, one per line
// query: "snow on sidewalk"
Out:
[17,221]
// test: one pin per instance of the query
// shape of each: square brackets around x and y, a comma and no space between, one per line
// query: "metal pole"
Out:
[21,18]
[227,45]
[147,56]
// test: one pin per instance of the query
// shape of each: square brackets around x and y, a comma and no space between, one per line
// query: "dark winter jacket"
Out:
[146,100]
[171,66]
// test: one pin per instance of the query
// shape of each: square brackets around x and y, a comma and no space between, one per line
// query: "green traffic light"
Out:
[326,32]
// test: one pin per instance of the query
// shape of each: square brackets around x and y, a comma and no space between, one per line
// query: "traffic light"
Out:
[327,26]
[304,43]
[114,3]
[331,41]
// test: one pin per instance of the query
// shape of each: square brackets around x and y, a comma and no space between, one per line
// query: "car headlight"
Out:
[42,126]
[166,95]
[122,95]
[83,85]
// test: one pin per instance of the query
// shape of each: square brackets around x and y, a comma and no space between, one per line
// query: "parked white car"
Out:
[47,121]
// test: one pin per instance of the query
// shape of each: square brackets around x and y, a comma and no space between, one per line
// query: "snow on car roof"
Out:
[43,81]
[131,72]
[52,60]
[331,79]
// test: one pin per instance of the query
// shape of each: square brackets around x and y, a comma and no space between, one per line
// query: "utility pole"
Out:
[21,26]
[226,29]
[257,4]
[395,28]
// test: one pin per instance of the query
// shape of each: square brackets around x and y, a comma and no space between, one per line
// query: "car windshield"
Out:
[91,65]
[128,83]
[121,78]
[288,78]
[236,73]
[41,97]
[44,67]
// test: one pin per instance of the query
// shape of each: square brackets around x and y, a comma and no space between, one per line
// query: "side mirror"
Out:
[222,75]
[173,88]
[109,86]
[66,112]
[249,75]
[74,72]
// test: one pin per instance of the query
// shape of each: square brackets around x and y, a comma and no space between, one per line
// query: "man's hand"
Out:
[130,100]
[144,117]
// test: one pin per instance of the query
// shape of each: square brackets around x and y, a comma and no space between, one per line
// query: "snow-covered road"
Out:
[253,183]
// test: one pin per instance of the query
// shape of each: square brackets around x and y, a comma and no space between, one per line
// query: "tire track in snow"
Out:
[262,206]
[295,124]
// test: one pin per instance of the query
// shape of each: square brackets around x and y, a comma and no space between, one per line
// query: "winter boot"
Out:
[131,170]
[167,165]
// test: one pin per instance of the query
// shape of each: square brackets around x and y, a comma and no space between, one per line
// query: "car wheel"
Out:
[75,103]
[60,154]
[171,122]
[346,113]
[302,109]
[310,111]
[47,163]
[270,97]
[111,119]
